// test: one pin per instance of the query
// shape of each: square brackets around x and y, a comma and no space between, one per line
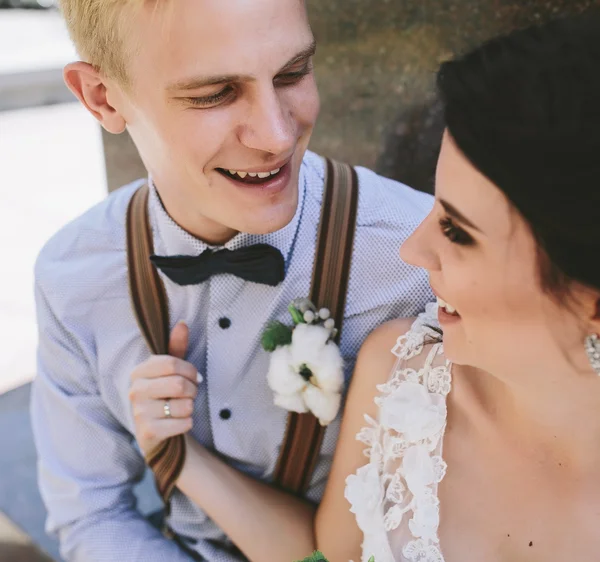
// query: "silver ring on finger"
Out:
[167,409]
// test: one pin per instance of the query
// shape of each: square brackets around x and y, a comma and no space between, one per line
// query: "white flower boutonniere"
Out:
[306,369]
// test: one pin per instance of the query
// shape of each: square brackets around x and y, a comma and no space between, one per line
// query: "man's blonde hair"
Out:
[98,28]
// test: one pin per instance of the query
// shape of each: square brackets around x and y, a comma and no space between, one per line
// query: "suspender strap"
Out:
[149,301]
[331,271]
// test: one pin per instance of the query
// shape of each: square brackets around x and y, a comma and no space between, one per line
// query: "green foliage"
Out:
[297,316]
[315,557]
[275,335]
[318,557]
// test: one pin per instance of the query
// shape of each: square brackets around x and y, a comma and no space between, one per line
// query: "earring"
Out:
[592,348]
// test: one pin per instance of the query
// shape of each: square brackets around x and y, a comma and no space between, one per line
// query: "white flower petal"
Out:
[364,491]
[418,469]
[282,377]
[323,405]
[412,411]
[329,372]
[309,348]
[414,549]
[307,337]
[425,521]
[291,402]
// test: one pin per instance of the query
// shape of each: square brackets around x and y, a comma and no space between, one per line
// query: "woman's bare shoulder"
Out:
[376,360]
[377,348]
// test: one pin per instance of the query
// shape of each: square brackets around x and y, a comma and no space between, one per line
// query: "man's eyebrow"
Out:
[455,213]
[302,55]
[201,82]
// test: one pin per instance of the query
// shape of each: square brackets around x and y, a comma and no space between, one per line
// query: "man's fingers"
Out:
[178,341]
[149,411]
[180,408]
[162,388]
[165,365]
[159,430]
[170,387]
[164,379]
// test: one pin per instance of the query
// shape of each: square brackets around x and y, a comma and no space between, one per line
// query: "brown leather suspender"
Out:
[331,270]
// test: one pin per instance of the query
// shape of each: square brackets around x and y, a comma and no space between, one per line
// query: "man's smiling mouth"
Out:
[250,177]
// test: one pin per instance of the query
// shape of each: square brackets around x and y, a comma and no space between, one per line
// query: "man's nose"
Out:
[270,125]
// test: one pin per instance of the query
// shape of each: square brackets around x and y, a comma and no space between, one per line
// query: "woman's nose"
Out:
[419,250]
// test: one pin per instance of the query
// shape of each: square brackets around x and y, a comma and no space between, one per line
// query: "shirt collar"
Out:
[172,240]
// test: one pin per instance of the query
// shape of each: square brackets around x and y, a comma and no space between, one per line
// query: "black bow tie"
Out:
[259,263]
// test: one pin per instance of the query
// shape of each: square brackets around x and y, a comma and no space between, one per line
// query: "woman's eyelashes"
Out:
[454,233]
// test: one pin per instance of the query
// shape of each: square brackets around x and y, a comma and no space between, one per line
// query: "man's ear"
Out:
[90,88]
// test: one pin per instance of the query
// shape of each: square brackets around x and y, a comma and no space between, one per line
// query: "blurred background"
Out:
[375,67]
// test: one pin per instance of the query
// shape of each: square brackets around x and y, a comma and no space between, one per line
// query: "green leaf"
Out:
[372,559]
[315,557]
[275,335]
[297,316]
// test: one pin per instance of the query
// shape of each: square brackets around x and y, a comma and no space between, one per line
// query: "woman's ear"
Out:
[90,88]
[596,314]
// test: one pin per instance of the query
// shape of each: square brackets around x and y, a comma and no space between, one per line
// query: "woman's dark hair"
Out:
[525,111]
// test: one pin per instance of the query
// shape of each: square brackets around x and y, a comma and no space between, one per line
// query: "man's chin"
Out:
[269,212]
[267,223]
[263,229]
[280,214]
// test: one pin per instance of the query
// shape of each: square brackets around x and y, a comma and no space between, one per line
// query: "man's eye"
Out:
[214,99]
[454,233]
[290,78]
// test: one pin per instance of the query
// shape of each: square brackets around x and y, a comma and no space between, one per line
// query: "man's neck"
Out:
[200,227]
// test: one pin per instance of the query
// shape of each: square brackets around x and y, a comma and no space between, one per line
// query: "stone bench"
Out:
[16,546]
[22,525]
[20,499]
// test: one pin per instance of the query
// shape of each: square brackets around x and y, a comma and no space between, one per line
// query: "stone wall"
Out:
[375,67]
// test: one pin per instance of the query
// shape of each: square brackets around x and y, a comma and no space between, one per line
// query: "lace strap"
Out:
[395,494]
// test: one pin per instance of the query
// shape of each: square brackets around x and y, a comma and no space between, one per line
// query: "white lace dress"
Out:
[394,496]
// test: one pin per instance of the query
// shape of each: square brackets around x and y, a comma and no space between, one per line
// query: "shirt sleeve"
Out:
[87,462]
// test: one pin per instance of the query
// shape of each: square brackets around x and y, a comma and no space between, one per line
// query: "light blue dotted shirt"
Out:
[90,343]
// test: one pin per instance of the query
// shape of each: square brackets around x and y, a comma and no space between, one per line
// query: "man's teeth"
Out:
[261,175]
[448,308]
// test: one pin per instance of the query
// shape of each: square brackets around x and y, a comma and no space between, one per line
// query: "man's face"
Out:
[218,87]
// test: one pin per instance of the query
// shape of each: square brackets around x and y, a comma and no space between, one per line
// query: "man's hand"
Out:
[164,379]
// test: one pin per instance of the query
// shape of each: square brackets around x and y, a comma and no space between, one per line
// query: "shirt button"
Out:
[224,323]
[225,414]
